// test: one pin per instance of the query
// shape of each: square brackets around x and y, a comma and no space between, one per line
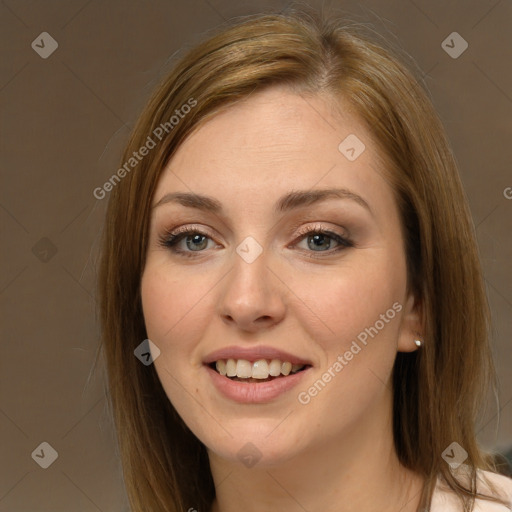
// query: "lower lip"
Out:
[254,393]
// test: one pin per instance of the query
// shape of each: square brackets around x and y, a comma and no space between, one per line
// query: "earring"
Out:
[418,343]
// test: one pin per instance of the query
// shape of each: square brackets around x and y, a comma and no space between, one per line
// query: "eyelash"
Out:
[171,238]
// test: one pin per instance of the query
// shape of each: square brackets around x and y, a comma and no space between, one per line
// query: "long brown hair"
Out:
[438,391]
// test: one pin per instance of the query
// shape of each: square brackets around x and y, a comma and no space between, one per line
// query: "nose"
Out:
[253,296]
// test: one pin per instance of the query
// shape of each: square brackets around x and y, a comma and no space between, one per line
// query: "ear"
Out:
[411,327]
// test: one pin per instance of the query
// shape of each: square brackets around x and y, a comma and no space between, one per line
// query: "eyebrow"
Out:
[290,201]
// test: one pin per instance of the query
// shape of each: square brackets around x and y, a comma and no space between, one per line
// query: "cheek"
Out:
[336,307]
[360,310]
[172,308]
[157,298]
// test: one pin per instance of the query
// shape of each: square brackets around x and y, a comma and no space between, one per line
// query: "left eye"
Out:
[196,241]
[318,239]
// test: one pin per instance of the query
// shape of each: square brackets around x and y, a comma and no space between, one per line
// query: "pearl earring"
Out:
[418,343]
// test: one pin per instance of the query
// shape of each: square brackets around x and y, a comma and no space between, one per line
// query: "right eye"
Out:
[194,238]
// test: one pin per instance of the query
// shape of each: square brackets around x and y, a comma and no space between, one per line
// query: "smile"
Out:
[262,370]
[256,374]
[261,381]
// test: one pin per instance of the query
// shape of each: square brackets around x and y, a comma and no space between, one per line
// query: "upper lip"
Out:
[253,354]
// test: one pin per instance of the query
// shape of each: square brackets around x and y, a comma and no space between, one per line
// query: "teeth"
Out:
[221,366]
[260,369]
[275,367]
[286,368]
[243,369]
[231,368]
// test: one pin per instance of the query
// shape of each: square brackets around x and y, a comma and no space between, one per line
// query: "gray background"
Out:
[64,122]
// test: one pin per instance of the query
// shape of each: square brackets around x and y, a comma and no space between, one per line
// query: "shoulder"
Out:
[445,500]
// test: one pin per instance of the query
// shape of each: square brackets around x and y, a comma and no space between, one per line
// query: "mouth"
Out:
[254,372]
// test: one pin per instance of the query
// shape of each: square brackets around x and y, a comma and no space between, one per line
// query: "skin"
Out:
[336,452]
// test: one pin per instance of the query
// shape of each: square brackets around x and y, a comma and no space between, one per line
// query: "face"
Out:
[318,282]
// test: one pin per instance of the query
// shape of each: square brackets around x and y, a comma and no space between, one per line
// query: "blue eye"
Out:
[318,239]
[196,241]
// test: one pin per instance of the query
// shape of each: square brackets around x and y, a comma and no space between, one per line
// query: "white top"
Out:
[445,500]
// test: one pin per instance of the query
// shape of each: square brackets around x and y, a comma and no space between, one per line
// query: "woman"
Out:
[289,230]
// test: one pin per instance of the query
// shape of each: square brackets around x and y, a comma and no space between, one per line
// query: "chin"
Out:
[257,446]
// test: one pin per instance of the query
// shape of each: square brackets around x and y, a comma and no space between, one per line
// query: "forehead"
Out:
[273,141]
